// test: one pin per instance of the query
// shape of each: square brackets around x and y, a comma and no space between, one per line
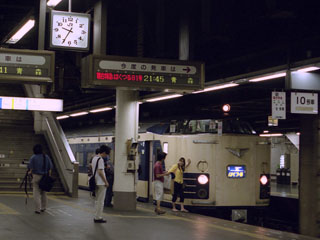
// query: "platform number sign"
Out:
[304,103]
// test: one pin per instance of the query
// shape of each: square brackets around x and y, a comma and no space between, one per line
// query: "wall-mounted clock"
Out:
[70,30]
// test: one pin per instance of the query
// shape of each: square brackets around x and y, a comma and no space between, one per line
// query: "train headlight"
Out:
[203,179]
[263,179]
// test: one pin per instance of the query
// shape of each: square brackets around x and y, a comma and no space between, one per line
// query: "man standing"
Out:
[158,181]
[101,182]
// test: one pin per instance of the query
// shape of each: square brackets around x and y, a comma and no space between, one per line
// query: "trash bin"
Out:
[287,176]
[279,176]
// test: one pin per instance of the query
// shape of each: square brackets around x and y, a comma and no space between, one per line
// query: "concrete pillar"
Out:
[127,117]
[184,48]
[100,28]
[309,177]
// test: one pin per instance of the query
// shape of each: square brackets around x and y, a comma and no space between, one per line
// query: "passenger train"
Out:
[227,169]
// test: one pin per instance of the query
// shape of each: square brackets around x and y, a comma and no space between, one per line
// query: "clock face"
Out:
[70,30]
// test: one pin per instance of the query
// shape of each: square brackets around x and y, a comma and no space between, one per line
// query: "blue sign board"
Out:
[236,171]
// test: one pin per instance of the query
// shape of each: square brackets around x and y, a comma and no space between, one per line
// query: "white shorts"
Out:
[158,190]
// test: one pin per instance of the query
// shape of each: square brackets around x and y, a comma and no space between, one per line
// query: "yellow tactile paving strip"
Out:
[4,209]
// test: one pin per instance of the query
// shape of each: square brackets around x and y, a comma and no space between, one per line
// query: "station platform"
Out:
[72,218]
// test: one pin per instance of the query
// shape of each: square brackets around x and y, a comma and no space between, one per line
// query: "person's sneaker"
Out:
[42,210]
[37,212]
[100,220]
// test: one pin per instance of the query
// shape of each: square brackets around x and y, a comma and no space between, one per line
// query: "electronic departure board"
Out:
[26,66]
[141,73]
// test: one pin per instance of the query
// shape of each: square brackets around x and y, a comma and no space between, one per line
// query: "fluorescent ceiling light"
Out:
[53,3]
[78,114]
[100,109]
[271,135]
[268,77]
[163,98]
[308,69]
[62,117]
[21,32]
[208,89]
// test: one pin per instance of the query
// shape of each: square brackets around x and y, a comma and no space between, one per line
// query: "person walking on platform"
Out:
[109,171]
[158,181]
[39,165]
[178,169]
[101,182]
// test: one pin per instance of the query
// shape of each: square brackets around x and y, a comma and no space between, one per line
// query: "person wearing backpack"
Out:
[101,182]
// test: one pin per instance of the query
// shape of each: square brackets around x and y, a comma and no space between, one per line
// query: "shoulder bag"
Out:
[46,182]
[92,180]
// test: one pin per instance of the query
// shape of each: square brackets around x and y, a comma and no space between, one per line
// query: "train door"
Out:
[143,171]
[148,151]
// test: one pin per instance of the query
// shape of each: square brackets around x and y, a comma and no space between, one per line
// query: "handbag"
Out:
[92,180]
[46,182]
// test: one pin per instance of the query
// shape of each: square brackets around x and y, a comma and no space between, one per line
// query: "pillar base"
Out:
[124,201]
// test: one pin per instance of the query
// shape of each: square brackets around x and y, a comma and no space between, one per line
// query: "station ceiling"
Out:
[231,37]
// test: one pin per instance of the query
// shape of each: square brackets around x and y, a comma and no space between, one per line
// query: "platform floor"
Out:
[283,190]
[72,218]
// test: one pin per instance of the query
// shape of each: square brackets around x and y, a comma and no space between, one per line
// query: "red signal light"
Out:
[263,180]
[226,108]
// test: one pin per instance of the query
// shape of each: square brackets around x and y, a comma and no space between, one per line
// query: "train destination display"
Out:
[114,71]
[26,66]
[236,171]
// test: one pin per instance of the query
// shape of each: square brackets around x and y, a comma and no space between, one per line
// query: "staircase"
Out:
[17,139]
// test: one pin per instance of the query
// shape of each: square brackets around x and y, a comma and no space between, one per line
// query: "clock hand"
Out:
[67,29]
[67,35]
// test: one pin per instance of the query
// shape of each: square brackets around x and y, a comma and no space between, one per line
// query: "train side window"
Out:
[79,157]
[165,147]
[90,155]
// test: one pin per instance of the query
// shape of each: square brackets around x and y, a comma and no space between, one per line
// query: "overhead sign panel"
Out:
[278,105]
[31,104]
[304,81]
[141,73]
[26,66]
[304,103]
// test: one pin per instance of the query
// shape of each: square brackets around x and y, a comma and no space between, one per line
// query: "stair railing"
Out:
[62,154]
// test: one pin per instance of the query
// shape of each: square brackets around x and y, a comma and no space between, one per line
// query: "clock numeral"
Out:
[80,38]
[70,19]
[69,42]
[64,19]
[70,24]
[81,25]
[59,24]
[77,20]
[83,32]
[58,36]
[75,42]
[56,29]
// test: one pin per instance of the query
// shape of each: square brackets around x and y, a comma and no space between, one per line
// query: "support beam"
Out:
[309,176]
[127,118]
[100,28]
